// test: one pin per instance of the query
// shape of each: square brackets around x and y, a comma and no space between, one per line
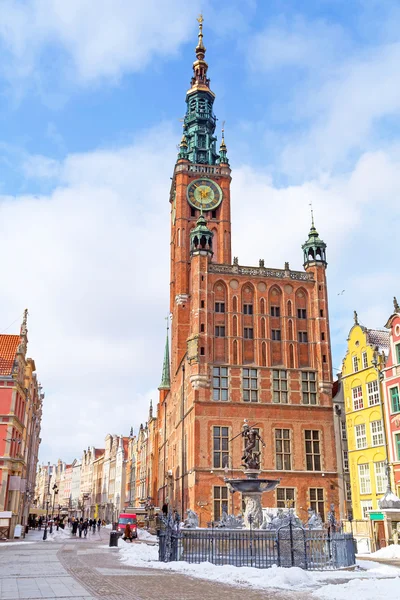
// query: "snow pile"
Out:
[144,555]
[392,551]
[367,589]
[143,534]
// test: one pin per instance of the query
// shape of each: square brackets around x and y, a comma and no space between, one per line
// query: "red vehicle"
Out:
[125,519]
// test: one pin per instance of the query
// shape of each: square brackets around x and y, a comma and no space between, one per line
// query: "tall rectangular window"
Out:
[397,444]
[280,386]
[394,399]
[275,311]
[377,433]
[361,436]
[313,449]
[248,309]
[317,501]
[248,333]
[364,478]
[276,335]
[219,331]
[380,477]
[366,506]
[373,392]
[309,387]
[302,336]
[220,447]
[285,498]
[344,430]
[301,313]
[398,353]
[355,364]
[283,450]
[250,385]
[358,401]
[220,383]
[220,307]
[365,360]
[220,501]
[345,460]
[348,491]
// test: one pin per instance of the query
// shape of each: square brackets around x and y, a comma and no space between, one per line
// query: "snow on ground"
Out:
[143,534]
[11,544]
[392,551]
[59,535]
[324,584]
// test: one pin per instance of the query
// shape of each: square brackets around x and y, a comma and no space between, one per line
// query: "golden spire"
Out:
[223,145]
[200,49]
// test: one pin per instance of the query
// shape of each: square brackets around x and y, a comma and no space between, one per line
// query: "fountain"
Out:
[252,487]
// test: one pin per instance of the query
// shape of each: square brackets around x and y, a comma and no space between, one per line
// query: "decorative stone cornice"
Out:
[261,272]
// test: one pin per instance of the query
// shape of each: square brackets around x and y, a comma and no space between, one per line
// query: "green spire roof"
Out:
[166,377]
[314,248]
[200,121]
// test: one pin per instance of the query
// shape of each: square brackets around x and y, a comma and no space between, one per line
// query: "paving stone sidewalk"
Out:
[86,569]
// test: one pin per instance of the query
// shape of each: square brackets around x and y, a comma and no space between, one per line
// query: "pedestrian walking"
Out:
[94,527]
[85,527]
[98,525]
[80,528]
[40,523]
[128,533]
[74,527]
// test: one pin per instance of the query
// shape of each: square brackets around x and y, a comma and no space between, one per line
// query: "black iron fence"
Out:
[289,545]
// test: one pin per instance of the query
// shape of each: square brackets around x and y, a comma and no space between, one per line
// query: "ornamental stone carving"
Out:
[199,381]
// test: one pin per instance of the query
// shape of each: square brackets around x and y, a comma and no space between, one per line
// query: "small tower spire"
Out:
[151,410]
[223,158]
[314,249]
[23,335]
[355,318]
[396,305]
[183,146]
[166,376]
[201,238]
[200,49]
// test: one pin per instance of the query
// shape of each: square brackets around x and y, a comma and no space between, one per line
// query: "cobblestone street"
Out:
[87,569]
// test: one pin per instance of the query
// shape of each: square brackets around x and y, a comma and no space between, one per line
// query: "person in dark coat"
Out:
[128,533]
[98,525]
[74,527]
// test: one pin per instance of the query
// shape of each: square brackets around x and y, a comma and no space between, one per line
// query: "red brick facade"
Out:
[272,322]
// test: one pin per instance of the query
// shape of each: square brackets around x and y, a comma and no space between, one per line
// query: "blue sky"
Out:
[90,100]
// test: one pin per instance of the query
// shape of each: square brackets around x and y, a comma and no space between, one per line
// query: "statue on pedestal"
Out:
[250,458]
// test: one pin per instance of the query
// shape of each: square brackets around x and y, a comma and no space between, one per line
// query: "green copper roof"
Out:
[166,377]
[314,247]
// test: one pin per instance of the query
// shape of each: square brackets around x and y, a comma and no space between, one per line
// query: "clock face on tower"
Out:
[204,194]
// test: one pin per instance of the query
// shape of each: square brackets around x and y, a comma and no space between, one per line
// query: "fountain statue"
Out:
[252,487]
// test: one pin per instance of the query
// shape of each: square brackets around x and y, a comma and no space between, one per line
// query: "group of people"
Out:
[84,525]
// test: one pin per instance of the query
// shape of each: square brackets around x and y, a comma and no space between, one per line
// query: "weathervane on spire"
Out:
[312,213]
[200,50]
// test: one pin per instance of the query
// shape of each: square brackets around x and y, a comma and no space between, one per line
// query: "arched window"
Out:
[263,328]
[234,303]
[235,353]
[264,354]
[291,357]
[290,330]
[262,306]
[234,325]
[289,308]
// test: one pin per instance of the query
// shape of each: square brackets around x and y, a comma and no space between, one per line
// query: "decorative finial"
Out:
[312,215]
[24,326]
[355,317]
[131,433]
[223,149]
[396,305]
[200,49]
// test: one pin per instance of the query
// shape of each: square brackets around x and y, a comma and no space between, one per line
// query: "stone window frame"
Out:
[282,453]
[364,478]
[361,437]
[317,503]
[285,492]
[305,379]
[280,387]
[221,388]
[380,477]
[373,392]
[224,454]
[220,501]
[248,374]
[377,434]
[315,456]
[357,397]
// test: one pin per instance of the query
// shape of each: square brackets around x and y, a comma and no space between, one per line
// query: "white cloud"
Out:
[340,92]
[91,263]
[92,268]
[106,38]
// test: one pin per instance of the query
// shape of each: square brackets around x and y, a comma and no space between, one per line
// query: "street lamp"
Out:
[55,490]
[48,496]
[380,376]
